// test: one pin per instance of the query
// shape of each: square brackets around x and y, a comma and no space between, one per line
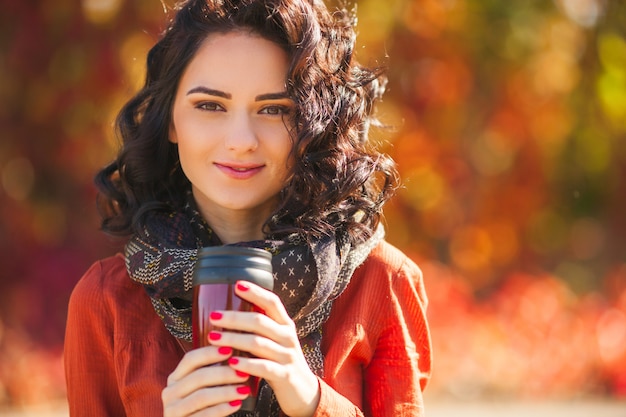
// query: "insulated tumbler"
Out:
[217,270]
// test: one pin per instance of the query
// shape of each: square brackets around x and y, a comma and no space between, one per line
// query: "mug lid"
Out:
[234,256]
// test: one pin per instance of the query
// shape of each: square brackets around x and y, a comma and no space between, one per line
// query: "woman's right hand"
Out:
[201,386]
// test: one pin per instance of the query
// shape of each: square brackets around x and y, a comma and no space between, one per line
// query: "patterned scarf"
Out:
[307,278]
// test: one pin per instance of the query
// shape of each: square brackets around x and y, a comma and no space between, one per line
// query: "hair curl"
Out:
[339,181]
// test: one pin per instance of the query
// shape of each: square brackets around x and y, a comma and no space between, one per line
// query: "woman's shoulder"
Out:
[387,273]
[386,270]
[104,275]
[106,282]
[387,259]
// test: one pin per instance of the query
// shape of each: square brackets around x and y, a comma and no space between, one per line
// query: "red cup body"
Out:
[217,271]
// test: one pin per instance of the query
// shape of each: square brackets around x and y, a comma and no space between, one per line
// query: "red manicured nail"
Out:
[242,286]
[245,390]
[216,315]
[242,374]
[233,361]
[225,350]
[215,336]
[235,403]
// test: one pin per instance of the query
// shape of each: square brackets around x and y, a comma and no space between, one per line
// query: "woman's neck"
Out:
[233,231]
[233,226]
[236,225]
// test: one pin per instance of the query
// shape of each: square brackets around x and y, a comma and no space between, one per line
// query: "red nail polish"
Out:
[235,403]
[244,390]
[225,350]
[216,315]
[215,336]
[242,374]
[233,361]
[242,286]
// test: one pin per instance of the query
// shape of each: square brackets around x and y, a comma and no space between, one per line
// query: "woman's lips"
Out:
[238,171]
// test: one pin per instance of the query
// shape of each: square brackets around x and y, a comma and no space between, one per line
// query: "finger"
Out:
[215,401]
[263,299]
[198,358]
[262,368]
[251,322]
[254,344]
[205,377]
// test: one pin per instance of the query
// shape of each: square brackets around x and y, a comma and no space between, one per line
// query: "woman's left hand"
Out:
[272,341]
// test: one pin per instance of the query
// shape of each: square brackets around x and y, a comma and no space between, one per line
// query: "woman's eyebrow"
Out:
[261,97]
[209,91]
[272,96]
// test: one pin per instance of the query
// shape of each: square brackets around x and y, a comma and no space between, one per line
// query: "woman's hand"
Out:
[209,391]
[272,341]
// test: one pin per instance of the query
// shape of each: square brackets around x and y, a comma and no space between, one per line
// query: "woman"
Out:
[251,130]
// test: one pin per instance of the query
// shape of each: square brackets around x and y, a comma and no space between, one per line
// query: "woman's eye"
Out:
[275,110]
[209,106]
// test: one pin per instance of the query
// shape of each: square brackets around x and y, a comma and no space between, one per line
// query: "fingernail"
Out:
[242,374]
[235,403]
[242,286]
[244,390]
[215,336]
[225,350]
[233,361]
[216,315]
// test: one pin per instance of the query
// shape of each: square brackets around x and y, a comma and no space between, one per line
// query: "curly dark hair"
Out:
[339,181]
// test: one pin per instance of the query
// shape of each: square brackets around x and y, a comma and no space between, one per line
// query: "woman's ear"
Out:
[172,134]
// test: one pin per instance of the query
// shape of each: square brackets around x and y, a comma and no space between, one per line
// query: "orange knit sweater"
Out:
[376,344]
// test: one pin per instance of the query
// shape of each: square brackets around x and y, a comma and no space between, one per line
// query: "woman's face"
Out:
[230,120]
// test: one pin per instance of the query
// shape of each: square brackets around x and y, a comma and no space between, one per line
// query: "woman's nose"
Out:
[241,136]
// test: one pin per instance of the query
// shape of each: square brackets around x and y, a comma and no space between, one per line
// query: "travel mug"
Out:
[217,270]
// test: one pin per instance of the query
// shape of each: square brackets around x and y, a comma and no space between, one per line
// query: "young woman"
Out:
[251,130]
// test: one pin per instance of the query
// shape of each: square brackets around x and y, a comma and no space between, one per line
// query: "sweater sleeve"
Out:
[89,352]
[118,354]
[378,342]
[400,367]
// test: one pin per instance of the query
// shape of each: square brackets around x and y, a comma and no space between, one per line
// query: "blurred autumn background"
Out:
[510,128]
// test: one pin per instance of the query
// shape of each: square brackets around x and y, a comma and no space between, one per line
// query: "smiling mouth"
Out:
[239,172]
[239,168]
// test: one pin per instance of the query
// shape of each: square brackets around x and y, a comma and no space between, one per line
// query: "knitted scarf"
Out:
[307,278]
